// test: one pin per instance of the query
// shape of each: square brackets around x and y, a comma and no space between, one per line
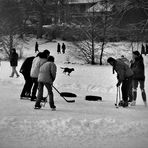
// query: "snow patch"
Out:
[71,127]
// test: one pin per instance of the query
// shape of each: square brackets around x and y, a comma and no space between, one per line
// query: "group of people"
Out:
[38,72]
[129,75]
[41,71]
[61,48]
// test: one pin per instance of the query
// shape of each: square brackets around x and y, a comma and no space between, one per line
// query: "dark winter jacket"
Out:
[123,70]
[138,68]
[13,59]
[26,66]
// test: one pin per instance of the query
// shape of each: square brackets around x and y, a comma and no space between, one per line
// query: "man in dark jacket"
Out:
[139,76]
[25,70]
[13,62]
[124,76]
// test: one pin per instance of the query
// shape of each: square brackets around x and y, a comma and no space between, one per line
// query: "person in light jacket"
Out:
[36,64]
[46,77]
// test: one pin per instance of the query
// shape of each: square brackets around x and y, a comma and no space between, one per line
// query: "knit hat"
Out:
[110,59]
[136,53]
[46,51]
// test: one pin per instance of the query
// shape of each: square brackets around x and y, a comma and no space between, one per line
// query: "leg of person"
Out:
[143,92]
[34,89]
[130,94]
[135,86]
[29,86]
[12,73]
[24,88]
[51,100]
[15,71]
[125,89]
[40,95]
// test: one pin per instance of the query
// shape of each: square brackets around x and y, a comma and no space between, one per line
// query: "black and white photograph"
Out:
[73,73]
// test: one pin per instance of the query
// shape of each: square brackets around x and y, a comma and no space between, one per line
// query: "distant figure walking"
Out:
[146,48]
[13,62]
[36,47]
[63,48]
[58,48]
[143,49]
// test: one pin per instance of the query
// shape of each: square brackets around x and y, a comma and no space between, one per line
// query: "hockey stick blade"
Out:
[69,101]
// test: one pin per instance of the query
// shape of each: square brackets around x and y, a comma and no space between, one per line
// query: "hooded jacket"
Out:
[47,73]
[36,64]
[123,70]
[138,68]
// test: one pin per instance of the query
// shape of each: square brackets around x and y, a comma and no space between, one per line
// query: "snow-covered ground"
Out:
[83,124]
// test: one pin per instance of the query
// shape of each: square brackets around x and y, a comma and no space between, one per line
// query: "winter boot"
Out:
[133,103]
[145,103]
[37,106]
[53,108]
[121,103]
[125,104]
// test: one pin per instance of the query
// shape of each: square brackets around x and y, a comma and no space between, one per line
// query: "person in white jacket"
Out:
[36,64]
[46,77]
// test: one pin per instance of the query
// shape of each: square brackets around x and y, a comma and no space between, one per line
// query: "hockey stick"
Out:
[69,101]
[117,97]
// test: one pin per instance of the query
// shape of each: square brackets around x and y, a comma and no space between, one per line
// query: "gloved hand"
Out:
[21,71]
[118,84]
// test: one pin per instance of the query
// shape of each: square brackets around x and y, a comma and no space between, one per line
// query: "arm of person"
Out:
[53,72]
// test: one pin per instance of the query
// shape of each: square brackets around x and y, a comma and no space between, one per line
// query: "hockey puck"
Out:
[93,98]
[68,94]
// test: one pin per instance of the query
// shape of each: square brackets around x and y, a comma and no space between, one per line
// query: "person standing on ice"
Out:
[58,48]
[14,62]
[25,71]
[36,64]
[124,76]
[63,48]
[36,47]
[47,75]
[139,76]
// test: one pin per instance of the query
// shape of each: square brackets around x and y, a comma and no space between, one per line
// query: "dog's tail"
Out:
[62,67]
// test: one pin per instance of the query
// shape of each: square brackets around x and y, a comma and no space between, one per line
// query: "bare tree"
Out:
[10,22]
[89,36]
[97,24]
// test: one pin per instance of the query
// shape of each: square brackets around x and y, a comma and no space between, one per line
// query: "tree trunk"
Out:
[101,55]
[40,26]
[10,41]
